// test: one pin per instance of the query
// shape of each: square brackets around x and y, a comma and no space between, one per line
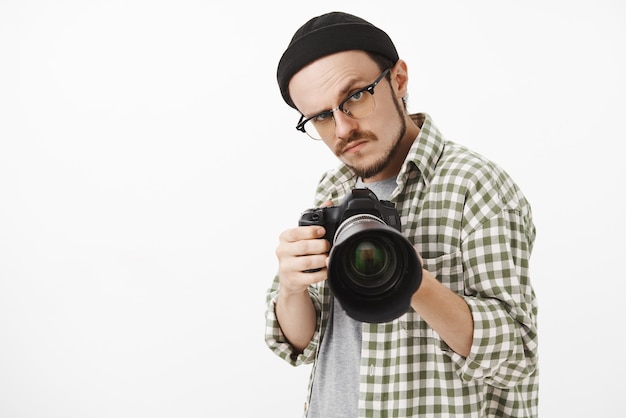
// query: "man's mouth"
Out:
[353,146]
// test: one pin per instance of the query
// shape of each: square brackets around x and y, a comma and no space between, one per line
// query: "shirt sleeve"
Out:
[498,292]
[276,340]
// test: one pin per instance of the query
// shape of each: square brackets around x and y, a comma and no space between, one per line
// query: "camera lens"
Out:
[369,263]
[373,269]
[369,259]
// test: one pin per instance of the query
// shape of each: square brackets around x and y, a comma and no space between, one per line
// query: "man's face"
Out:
[367,145]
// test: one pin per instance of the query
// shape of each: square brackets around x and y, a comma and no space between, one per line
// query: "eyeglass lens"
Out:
[357,106]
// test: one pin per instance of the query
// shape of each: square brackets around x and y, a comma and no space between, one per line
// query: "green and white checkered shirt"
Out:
[474,229]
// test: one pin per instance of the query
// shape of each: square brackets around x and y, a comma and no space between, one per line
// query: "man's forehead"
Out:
[328,80]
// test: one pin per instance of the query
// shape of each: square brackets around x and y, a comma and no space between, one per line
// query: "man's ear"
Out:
[400,78]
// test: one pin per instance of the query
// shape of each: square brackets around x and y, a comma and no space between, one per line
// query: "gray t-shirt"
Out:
[335,392]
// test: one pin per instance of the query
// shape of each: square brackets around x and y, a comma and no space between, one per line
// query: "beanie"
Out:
[326,34]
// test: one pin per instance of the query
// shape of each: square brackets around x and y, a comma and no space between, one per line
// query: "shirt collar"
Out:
[425,151]
[423,155]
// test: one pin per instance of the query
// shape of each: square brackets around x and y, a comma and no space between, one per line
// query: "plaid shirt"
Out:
[473,228]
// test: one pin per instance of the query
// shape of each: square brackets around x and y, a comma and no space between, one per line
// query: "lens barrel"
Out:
[373,269]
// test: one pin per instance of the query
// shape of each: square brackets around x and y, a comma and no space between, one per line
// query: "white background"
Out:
[148,164]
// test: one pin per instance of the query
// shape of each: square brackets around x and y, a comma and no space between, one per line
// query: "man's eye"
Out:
[356,96]
[322,117]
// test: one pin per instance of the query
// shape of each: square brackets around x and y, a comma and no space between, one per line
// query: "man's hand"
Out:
[302,254]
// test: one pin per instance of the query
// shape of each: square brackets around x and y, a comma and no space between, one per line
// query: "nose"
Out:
[344,124]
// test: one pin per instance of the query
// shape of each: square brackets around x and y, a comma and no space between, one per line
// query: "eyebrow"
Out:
[349,87]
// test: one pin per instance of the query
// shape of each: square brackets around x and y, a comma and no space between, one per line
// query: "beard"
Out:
[367,171]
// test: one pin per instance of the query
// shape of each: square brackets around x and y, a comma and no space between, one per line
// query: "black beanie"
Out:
[327,34]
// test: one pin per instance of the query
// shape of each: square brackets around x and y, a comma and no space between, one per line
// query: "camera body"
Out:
[373,270]
[358,202]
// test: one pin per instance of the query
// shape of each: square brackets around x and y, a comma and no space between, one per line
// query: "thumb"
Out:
[326,204]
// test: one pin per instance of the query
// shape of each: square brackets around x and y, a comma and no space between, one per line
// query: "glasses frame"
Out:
[369,89]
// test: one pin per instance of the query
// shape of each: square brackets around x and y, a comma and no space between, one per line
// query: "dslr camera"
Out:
[373,269]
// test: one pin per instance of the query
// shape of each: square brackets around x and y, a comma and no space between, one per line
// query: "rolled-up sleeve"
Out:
[503,304]
[276,340]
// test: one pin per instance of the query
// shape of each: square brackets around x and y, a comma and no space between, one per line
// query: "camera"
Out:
[373,269]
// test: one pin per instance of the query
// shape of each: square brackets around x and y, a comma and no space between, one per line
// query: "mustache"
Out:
[354,136]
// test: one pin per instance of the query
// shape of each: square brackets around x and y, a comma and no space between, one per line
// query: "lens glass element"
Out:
[369,259]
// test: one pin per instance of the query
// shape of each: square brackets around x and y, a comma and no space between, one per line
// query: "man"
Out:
[467,345]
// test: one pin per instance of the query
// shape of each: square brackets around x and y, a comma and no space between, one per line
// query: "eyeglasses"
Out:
[358,105]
